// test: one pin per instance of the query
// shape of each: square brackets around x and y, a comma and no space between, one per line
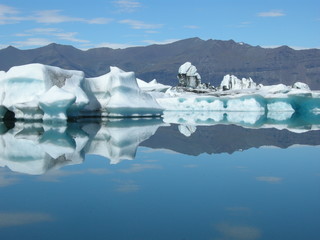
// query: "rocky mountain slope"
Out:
[213,59]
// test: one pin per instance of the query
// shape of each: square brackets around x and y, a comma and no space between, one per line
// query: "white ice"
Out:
[37,91]
[231,82]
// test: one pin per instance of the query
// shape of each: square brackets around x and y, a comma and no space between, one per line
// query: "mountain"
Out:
[227,139]
[213,59]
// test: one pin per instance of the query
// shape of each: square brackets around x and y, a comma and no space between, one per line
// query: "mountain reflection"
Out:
[35,148]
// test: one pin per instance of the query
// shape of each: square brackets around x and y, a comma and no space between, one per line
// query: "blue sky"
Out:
[125,23]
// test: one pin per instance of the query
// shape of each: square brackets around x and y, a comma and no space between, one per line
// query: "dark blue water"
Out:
[258,192]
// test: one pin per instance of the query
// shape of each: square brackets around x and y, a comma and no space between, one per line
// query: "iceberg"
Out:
[188,76]
[117,94]
[231,82]
[37,91]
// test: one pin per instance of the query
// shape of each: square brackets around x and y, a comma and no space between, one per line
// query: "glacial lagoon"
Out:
[184,176]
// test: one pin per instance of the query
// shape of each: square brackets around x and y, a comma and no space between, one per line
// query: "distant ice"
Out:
[232,82]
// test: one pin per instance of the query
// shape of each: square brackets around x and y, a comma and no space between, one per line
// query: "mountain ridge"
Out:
[213,59]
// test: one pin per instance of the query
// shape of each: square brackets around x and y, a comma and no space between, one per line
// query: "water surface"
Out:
[146,179]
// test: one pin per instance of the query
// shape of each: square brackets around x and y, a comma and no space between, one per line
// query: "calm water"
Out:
[220,182]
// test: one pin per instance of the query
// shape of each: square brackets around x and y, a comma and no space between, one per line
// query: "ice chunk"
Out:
[24,84]
[2,74]
[279,106]
[118,95]
[188,76]
[275,89]
[187,130]
[74,85]
[248,104]
[183,69]
[30,110]
[279,116]
[152,86]
[55,103]
[191,103]
[231,82]
[300,85]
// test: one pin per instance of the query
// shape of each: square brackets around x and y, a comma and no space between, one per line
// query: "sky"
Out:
[88,24]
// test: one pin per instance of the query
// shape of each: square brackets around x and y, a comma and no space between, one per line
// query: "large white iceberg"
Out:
[37,91]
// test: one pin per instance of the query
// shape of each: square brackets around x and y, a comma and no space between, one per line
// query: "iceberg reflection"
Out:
[35,147]
[289,120]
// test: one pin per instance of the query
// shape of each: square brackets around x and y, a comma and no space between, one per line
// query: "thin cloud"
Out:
[32,42]
[55,16]
[244,24]
[243,232]
[293,47]
[9,15]
[53,32]
[126,186]
[22,35]
[127,5]
[7,10]
[238,209]
[57,174]
[151,31]
[162,150]
[9,219]
[273,13]
[140,167]
[192,26]
[114,45]
[43,30]
[99,171]
[139,24]
[6,179]
[269,179]
[167,41]
[99,20]
[3,46]
[190,166]
[70,36]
